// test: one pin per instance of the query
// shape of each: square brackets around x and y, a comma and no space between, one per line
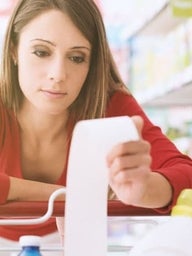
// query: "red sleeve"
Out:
[5,184]
[166,158]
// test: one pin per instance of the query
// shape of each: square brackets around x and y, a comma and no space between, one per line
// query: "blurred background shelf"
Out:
[177,92]
[162,22]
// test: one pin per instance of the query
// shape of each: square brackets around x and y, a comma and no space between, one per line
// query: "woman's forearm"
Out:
[28,190]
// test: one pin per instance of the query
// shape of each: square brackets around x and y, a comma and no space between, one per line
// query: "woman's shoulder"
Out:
[122,103]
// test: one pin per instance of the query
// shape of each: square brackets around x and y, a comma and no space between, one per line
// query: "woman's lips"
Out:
[53,94]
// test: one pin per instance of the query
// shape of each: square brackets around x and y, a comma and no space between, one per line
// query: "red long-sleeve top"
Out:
[166,159]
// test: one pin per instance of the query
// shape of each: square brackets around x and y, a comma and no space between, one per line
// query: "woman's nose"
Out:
[57,72]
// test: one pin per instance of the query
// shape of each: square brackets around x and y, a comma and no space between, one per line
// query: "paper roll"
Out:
[87,183]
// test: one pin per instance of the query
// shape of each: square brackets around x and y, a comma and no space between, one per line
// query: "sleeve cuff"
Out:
[178,180]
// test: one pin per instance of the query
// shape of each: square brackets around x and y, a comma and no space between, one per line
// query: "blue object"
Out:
[30,251]
[30,246]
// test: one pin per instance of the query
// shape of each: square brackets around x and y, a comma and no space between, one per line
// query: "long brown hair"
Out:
[102,79]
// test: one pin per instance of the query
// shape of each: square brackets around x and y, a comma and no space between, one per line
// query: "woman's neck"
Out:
[40,126]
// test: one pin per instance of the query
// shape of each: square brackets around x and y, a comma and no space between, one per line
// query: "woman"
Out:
[57,69]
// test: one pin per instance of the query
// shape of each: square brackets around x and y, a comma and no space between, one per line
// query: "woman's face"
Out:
[53,62]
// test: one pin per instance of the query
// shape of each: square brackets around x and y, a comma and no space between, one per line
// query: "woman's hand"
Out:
[130,174]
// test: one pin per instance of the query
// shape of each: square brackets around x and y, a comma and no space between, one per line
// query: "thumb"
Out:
[138,121]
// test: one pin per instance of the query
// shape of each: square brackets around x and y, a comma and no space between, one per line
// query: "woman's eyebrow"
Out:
[44,40]
[81,47]
[54,44]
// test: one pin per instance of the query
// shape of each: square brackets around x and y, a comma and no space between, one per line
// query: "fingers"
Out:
[129,166]
[129,169]
[128,149]
[129,161]
[125,163]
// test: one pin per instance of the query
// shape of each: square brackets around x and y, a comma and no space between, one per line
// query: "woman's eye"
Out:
[77,59]
[41,53]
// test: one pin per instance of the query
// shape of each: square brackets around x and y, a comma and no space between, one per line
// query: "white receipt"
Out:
[87,183]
